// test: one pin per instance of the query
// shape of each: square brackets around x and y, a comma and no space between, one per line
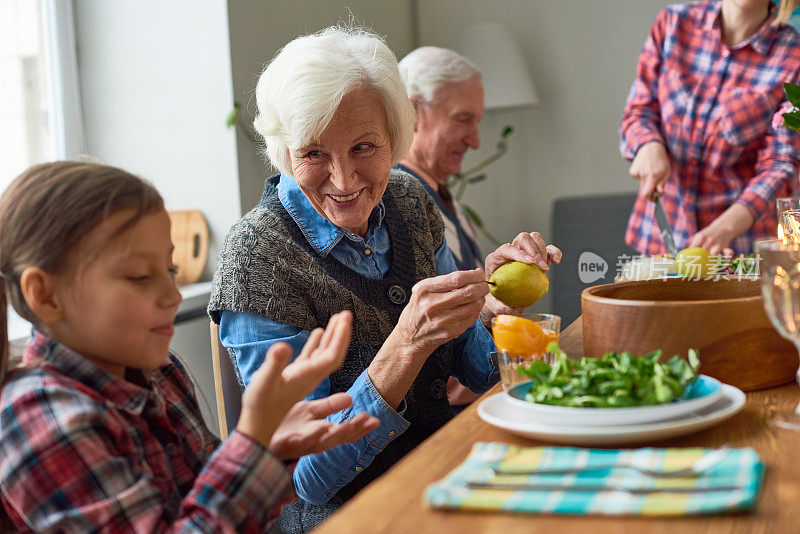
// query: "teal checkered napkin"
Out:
[730,485]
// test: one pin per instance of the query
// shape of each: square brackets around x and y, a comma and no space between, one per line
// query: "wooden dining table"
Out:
[394,502]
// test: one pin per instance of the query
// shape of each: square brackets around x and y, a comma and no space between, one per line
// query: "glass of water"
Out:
[780,286]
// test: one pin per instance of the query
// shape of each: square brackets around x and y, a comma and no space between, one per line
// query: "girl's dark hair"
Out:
[45,213]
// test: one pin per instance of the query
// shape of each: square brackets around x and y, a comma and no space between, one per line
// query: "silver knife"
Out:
[595,488]
[665,228]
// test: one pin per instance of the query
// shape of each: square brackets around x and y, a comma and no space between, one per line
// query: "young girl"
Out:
[100,429]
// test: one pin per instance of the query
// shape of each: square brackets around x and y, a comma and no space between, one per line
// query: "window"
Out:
[40,116]
[24,129]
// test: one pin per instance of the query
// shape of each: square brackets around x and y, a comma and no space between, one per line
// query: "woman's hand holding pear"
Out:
[651,168]
[529,248]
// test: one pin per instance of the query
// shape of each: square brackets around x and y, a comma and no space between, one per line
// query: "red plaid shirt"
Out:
[82,450]
[712,107]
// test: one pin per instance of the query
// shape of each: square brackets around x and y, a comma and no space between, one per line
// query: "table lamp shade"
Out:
[506,78]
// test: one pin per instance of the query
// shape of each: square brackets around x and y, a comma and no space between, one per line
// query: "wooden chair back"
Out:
[227,391]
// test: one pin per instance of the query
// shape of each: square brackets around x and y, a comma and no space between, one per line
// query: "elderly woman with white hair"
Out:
[339,229]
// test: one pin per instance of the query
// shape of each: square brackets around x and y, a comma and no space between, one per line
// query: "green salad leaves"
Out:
[613,381]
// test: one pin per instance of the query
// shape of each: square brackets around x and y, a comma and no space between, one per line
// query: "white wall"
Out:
[259,29]
[156,90]
[582,56]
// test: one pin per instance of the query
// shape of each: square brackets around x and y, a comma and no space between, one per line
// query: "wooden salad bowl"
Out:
[724,320]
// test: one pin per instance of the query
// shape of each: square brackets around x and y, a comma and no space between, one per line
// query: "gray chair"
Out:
[228,392]
[585,229]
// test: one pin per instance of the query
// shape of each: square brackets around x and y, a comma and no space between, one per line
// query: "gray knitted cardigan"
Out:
[267,267]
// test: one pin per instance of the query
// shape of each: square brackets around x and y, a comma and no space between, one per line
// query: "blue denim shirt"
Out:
[318,477]
[457,227]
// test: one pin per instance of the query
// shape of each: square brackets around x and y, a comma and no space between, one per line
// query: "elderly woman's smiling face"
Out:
[344,173]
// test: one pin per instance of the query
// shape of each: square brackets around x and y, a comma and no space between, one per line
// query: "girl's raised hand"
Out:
[304,430]
[278,385]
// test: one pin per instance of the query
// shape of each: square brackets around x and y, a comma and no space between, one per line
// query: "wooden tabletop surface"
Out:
[394,502]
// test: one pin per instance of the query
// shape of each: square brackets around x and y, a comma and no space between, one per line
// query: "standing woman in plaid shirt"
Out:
[100,428]
[697,124]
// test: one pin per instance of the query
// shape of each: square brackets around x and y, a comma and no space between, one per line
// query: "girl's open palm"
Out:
[304,430]
[278,386]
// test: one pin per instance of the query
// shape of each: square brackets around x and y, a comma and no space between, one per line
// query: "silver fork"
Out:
[700,465]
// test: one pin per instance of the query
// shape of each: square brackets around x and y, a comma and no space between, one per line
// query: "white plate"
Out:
[705,391]
[498,411]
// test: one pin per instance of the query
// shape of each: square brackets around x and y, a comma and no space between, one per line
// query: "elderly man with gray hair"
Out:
[447,93]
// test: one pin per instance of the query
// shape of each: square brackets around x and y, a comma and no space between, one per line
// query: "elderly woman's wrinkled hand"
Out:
[528,248]
[442,308]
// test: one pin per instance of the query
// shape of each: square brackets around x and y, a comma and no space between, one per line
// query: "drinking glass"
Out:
[791,225]
[508,362]
[781,205]
[780,284]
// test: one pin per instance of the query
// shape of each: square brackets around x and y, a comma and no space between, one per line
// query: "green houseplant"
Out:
[789,114]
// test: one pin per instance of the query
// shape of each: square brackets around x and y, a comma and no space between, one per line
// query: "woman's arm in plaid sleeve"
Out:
[641,118]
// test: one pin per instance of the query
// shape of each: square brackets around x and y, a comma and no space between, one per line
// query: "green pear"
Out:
[518,284]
